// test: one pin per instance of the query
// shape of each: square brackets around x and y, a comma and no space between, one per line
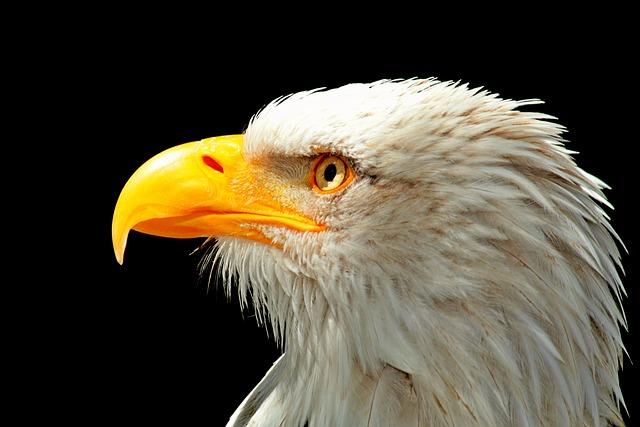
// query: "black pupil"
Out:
[330,172]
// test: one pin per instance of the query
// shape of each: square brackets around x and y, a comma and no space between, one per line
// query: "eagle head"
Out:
[425,253]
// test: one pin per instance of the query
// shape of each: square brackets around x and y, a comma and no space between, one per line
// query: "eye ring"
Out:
[330,174]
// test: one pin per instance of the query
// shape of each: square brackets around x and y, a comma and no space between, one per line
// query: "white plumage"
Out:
[467,277]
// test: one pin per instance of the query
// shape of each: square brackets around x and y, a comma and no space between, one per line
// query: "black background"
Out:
[150,341]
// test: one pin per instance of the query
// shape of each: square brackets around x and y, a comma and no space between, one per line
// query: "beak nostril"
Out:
[212,164]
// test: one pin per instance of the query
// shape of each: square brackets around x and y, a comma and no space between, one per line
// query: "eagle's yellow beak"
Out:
[199,189]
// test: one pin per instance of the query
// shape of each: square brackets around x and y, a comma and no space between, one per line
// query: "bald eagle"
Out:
[426,254]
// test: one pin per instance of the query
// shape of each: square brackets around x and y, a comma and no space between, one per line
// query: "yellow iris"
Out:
[331,174]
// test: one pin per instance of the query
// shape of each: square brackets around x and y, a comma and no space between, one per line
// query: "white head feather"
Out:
[467,277]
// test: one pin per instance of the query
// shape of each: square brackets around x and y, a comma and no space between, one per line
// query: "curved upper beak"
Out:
[188,191]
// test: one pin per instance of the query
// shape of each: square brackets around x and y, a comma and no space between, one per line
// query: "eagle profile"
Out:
[425,253]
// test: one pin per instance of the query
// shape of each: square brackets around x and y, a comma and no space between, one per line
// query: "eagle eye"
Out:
[331,173]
